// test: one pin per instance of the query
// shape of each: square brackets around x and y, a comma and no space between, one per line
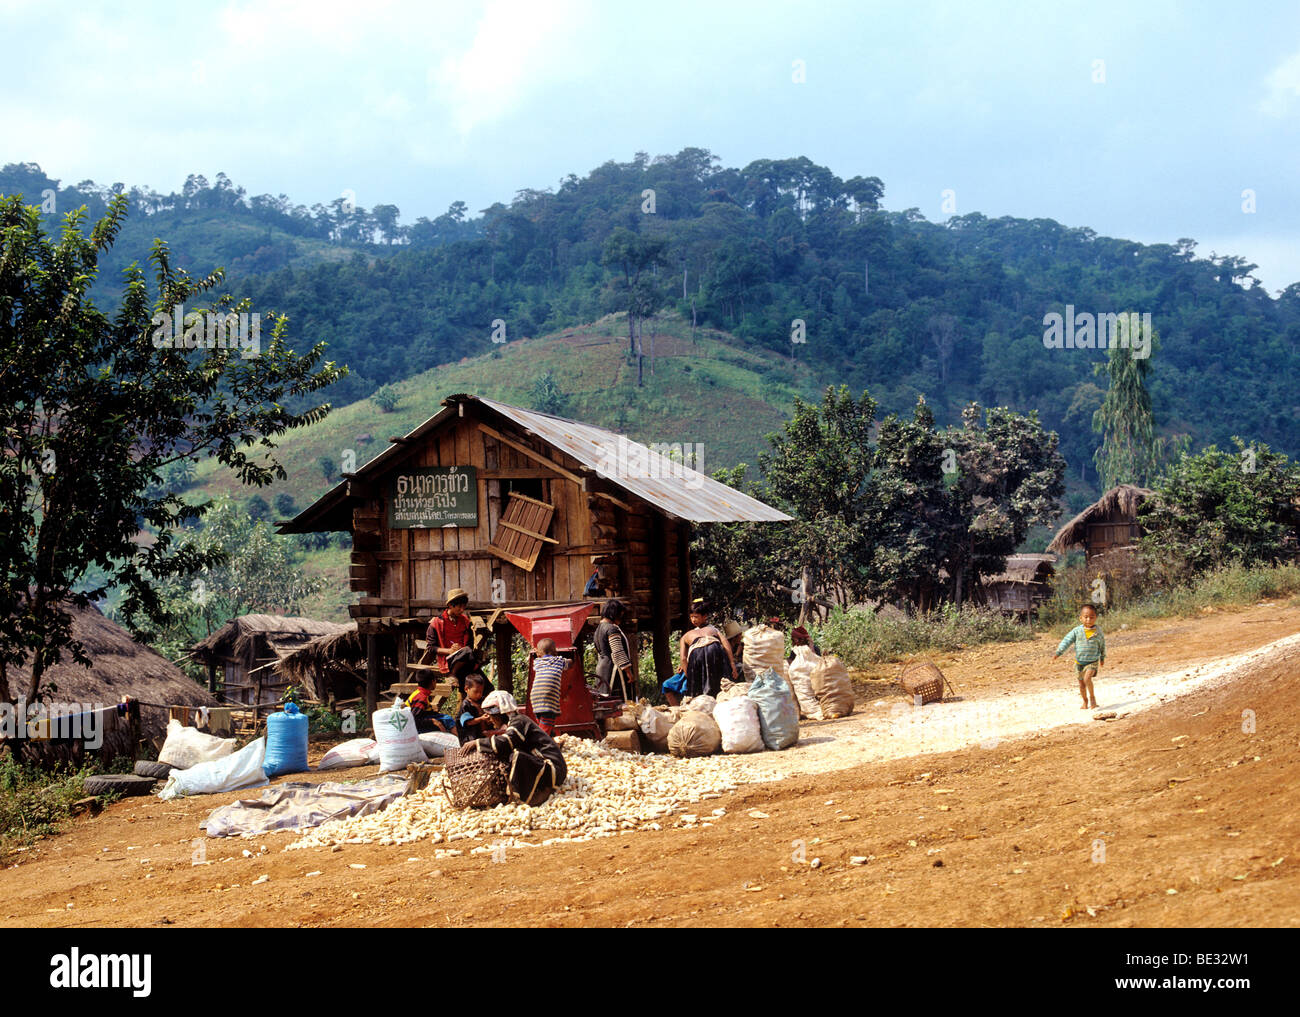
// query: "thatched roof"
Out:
[282,633]
[1025,568]
[119,667]
[1123,500]
[334,650]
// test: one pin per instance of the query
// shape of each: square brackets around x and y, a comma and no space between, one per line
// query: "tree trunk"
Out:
[805,593]
[683,282]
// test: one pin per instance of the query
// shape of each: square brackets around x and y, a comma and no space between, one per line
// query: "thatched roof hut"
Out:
[325,663]
[246,649]
[119,667]
[1107,524]
[1023,584]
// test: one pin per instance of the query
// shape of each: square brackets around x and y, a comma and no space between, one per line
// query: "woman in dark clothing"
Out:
[705,655]
[535,767]
[613,658]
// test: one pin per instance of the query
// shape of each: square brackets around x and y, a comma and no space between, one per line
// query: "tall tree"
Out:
[93,410]
[1128,451]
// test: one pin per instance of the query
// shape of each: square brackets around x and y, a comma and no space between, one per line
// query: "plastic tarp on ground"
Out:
[300,806]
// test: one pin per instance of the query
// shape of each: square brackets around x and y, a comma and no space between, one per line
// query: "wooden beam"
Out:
[621,504]
[505,664]
[663,654]
[531,454]
[527,532]
[372,673]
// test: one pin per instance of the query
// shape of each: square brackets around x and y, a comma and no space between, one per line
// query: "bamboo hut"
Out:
[241,655]
[119,666]
[1023,584]
[521,510]
[1106,527]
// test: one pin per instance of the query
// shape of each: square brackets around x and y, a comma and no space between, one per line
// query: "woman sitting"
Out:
[535,767]
[705,655]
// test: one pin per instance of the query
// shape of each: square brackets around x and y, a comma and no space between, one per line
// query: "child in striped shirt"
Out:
[544,696]
[1089,653]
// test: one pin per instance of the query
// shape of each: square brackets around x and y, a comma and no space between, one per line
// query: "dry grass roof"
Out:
[1025,568]
[1124,501]
[119,667]
[341,650]
[284,633]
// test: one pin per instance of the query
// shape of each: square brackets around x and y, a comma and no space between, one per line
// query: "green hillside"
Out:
[704,391]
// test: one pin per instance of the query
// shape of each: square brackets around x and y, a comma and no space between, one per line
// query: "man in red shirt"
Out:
[448,631]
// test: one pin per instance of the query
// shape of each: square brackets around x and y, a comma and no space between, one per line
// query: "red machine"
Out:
[582,711]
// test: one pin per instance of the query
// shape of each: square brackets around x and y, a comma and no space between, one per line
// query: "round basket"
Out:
[924,679]
[473,779]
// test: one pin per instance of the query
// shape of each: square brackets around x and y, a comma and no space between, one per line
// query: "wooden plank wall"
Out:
[413,569]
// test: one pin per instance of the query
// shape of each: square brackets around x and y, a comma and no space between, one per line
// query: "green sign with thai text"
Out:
[433,496]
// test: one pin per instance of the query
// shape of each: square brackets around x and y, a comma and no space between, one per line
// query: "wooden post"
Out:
[212,677]
[659,621]
[505,666]
[372,673]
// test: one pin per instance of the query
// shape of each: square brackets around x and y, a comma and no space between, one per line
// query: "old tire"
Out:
[124,784]
[152,768]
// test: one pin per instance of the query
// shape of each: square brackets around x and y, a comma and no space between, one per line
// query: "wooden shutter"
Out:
[522,531]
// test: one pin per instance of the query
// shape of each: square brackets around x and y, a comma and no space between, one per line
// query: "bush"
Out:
[385,397]
[36,802]
[862,638]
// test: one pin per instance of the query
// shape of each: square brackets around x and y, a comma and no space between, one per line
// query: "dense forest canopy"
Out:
[887,300]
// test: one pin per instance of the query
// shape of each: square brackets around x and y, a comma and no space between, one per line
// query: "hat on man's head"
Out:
[732,629]
[455,594]
[500,702]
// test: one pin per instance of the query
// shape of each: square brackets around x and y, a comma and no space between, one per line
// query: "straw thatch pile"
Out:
[1119,502]
[254,632]
[332,655]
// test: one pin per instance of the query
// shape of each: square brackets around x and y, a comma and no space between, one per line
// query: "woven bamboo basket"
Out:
[473,780]
[923,678]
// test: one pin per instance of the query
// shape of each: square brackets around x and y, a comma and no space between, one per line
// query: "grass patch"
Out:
[1128,604]
[35,802]
[863,638]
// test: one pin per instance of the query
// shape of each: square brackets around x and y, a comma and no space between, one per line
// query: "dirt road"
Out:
[1180,814]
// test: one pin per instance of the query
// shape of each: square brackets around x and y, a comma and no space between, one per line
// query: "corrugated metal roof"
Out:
[667,483]
[670,485]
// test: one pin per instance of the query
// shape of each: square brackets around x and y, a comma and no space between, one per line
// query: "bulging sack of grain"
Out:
[187,746]
[737,719]
[696,734]
[778,714]
[350,753]
[800,671]
[700,704]
[737,691]
[833,687]
[764,648]
[398,742]
[655,725]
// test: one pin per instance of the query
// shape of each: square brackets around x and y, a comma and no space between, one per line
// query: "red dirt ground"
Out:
[1199,821]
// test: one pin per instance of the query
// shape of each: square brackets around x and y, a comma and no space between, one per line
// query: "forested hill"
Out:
[888,300]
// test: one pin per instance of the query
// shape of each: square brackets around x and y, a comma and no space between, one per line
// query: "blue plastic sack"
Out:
[778,714]
[286,742]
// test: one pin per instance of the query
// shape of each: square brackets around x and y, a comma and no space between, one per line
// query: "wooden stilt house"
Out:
[520,509]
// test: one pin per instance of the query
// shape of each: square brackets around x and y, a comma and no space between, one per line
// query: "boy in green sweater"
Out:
[1089,653]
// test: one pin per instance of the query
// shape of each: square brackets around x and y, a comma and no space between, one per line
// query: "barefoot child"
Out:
[1089,653]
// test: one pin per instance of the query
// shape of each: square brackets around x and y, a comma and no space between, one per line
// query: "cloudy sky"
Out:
[1145,120]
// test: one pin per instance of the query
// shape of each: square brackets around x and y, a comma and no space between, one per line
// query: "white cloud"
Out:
[1283,85]
[517,44]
